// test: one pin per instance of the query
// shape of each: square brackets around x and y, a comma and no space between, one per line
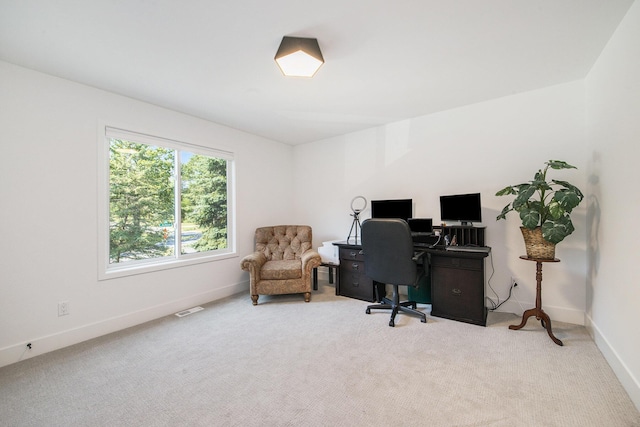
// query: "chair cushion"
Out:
[281,270]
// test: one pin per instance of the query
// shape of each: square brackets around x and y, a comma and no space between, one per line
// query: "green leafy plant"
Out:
[545,204]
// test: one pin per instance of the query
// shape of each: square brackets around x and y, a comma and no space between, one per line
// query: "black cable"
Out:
[494,305]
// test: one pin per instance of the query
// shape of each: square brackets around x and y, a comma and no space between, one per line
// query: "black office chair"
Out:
[389,258]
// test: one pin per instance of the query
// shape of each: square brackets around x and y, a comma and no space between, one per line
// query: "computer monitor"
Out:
[420,225]
[465,208]
[398,208]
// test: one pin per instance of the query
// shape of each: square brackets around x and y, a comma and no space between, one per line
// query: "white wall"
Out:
[613,291]
[592,124]
[478,148]
[48,220]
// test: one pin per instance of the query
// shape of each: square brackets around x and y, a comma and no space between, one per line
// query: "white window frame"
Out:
[110,271]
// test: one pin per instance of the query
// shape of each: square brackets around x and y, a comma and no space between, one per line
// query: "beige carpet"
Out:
[325,363]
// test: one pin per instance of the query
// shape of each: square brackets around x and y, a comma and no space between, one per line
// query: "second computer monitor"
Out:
[397,208]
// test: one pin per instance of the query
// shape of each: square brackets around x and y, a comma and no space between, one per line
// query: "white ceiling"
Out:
[386,60]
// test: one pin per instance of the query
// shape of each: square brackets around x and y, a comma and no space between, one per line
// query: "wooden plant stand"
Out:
[538,311]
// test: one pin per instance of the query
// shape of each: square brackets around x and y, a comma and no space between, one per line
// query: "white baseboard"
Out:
[40,345]
[560,314]
[626,378]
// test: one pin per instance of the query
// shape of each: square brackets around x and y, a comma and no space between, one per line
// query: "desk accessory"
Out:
[355,225]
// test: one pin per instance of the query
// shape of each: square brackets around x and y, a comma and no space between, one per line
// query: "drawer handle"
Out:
[456,292]
[352,254]
[355,266]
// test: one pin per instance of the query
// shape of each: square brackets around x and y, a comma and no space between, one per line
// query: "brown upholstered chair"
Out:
[283,261]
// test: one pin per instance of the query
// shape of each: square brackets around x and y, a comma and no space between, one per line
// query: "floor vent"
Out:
[189,311]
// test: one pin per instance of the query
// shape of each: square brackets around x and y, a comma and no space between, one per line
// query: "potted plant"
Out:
[544,208]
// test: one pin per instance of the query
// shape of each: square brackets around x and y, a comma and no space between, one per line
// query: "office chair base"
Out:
[395,306]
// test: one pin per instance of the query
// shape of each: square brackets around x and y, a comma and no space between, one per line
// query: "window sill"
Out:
[126,270]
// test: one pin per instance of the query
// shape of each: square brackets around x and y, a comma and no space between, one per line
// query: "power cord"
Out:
[26,348]
[517,300]
[437,241]
[495,305]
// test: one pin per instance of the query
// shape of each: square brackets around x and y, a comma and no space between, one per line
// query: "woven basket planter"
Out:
[537,247]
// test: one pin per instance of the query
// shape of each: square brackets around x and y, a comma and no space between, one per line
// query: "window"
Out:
[165,203]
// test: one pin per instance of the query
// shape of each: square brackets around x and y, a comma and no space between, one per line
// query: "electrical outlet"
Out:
[63,308]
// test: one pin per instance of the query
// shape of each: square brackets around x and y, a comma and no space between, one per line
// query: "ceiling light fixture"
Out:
[299,57]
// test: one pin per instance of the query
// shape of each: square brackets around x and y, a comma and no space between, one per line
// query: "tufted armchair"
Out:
[283,261]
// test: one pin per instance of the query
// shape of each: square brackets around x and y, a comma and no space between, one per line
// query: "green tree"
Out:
[141,197]
[204,199]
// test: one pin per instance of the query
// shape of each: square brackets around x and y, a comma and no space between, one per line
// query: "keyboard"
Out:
[485,249]
[423,245]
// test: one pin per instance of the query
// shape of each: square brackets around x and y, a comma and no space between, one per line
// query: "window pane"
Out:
[141,201]
[161,205]
[203,203]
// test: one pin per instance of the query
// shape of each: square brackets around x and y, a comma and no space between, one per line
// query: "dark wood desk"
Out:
[457,282]
[538,311]
[458,285]
[353,283]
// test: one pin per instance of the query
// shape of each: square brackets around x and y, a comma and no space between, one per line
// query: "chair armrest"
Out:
[253,262]
[419,257]
[310,260]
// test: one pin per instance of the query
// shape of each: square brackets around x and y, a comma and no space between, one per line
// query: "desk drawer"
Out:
[353,282]
[347,254]
[455,262]
[351,267]
[357,286]
[458,293]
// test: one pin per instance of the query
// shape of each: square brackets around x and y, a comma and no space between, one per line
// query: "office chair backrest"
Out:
[388,251]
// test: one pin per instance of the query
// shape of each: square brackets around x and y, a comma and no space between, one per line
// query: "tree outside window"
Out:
[165,202]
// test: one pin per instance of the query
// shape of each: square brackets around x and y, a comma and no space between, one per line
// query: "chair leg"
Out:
[378,306]
[254,299]
[423,317]
[394,311]
[307,296]
[385,304]
[395,305]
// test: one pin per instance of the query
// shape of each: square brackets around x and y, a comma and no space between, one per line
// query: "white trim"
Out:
[40,345]
[108,271]
[620,369]
[559,314]
[118,133]
[158,264]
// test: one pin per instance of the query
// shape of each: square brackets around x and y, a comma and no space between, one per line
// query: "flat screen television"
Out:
[398,208]
[465,208]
